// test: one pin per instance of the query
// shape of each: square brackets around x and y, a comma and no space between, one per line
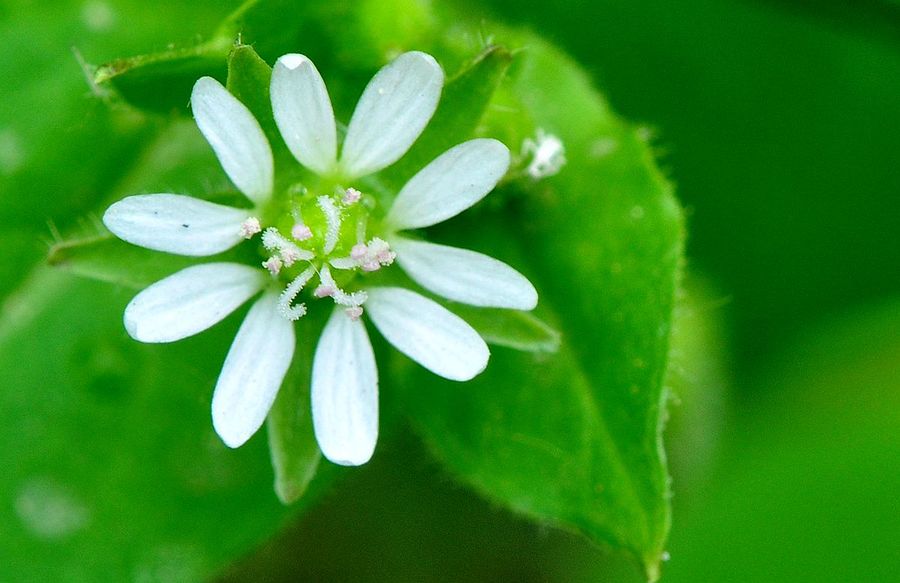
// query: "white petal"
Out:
[175,224]
[393,110]
[454,181]
[465,276]
[253,371]
[190,301]
[427,333]
[235,136]
[345,392]
[303,112]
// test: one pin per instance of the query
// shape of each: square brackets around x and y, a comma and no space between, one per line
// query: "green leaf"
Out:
[574,439]
[162,81]
[102,434]
[510,328]
[295,453]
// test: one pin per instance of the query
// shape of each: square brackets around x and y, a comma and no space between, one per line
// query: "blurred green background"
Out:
[779,121]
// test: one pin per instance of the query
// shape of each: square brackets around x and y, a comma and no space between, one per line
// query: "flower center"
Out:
[322,237]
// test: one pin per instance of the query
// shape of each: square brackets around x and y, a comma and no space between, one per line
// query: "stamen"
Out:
[333,220]
[291,255]
[372,256]
[354,313]
[351,196]
[287,297]
[250,227]
[324,291]
[301,232]
[273,264]
[381,251]
[359,251]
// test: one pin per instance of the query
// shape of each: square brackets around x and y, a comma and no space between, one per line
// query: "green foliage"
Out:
[771,116]
[399,518]
[575,438]
[112,468]
[566,433]
[806,477]
[775,120]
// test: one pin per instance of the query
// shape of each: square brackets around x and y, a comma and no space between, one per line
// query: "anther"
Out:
[301,232]
[381,251]
[324,291]
[290,255]
[250,227]
[351,196]
[359,251]
[273,264]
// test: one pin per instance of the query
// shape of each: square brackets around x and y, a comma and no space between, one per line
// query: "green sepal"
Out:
[292,444]
[105,258]
[163,81]
[510,328]
[248,79]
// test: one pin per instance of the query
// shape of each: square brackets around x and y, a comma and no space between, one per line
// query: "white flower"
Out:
[330,241]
